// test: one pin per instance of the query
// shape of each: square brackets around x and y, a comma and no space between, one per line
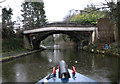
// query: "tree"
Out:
[33,15]
[114,15]
[88,16]
[118,21]
[7,24]
[2,1]
[70,15]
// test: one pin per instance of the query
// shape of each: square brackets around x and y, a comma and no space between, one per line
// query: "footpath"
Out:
[16,55]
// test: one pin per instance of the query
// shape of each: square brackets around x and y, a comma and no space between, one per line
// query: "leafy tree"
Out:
[33,15]
[88,16]
[7,24]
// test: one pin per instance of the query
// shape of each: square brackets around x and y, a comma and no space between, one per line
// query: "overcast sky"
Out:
[55,10]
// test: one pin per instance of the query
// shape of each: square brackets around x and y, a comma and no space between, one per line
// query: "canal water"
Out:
[34,67]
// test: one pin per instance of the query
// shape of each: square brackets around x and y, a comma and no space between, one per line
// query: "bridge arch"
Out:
[40,37]
[77,31]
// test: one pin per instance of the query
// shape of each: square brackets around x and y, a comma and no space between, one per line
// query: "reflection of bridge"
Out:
[81,33]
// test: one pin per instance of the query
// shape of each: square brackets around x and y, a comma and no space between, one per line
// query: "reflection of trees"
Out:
[94,65]
[7,70]
[37,65]
[58,56]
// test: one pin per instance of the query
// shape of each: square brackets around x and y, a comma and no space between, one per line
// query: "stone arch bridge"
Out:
[81,33]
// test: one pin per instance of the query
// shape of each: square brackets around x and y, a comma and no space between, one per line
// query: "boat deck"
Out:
[78,78]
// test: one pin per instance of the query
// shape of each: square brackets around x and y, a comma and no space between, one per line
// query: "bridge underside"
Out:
[32,41]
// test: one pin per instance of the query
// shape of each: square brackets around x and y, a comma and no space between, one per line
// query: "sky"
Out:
[55,10]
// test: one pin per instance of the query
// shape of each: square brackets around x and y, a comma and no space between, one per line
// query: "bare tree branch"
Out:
[95,9]
[2,1]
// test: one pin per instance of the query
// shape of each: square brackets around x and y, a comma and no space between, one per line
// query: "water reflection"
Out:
[36,66]
[20,72]
[0,73]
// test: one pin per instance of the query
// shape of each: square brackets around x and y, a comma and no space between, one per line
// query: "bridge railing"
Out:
[70,24]
[63,24]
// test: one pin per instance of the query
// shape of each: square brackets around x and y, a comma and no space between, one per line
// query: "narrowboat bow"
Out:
[64,75]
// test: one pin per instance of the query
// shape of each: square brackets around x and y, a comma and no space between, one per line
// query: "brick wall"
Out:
[105,30]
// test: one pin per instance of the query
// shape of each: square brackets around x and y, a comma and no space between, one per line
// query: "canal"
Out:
[34,67]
